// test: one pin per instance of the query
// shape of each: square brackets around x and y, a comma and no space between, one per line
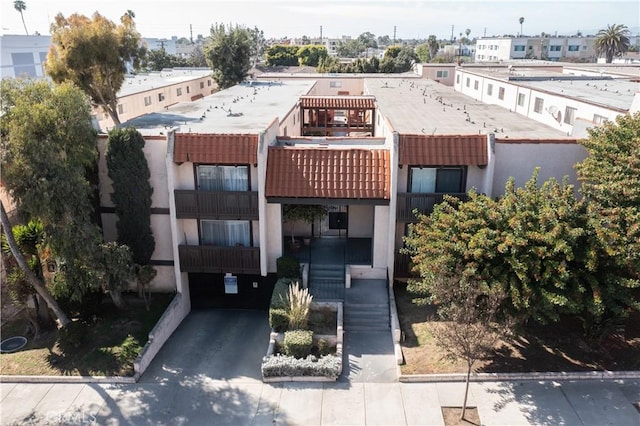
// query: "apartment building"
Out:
[567,98]
[23,55]
[580,49]
[224,166]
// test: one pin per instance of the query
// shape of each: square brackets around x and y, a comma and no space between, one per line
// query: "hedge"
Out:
[288,366]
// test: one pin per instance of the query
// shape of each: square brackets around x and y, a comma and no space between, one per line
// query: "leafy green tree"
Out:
[93,53]
[159,59]
[258,44]
[21,6]
[129,172]
[534,243]
[310,55]
[384,40]
[48,144]
[434,46]
[612,41]
[281,55]
[196,57]
[610,177]
[423,53]
[117,270]
[228,53]
[368,40]
[350,49]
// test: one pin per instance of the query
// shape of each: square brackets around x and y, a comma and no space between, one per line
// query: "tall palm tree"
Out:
[434,46]
[612,41]
[521,20]
[20,5]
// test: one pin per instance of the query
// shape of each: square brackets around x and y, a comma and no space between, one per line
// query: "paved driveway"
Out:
[216,344]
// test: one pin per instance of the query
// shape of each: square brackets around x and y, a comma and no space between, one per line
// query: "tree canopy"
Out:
[610,177]
[93,54]
[129,171]
[311,55]
[47,145]
[534,243]
[228,53]
[282,55]
[612,41]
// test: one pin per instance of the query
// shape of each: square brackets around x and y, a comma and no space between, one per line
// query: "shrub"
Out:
[71,337]
[129,350]
[279,295]
[278,319]
[298,343]
[323,347]
[287,267]
[287,366]
[298,304]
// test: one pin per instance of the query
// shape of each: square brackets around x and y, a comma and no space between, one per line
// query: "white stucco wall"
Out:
[323,86]
[291,123]
[360,221]
[273,228]
[381,237]
[519,160]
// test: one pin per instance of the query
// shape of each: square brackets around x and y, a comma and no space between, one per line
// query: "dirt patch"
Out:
[537,348]
[451,416]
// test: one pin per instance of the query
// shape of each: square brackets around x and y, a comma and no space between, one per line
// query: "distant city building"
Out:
[23,55]
[496,49]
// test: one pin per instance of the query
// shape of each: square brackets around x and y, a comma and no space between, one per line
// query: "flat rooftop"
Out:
[585,84]
[142,82]
[244,108]
[427,107]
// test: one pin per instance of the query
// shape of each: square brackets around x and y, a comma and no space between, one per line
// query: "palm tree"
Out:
[612,41]
[521,20]
[20,5]
[434,46]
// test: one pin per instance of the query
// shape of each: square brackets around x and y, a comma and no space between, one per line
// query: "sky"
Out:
[411,19]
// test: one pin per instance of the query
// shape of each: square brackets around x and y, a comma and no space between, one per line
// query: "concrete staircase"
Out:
[366,307]
[326,281]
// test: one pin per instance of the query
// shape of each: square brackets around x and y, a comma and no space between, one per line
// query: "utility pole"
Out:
[394,35]
[321,35]
[452,27]
[191,32]
[485,31]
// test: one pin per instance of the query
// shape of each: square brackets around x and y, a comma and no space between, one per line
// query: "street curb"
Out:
[497,377]
[68,379]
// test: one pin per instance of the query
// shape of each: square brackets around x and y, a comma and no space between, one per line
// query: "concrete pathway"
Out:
[201,400]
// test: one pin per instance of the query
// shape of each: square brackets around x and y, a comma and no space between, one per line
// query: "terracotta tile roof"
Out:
[443,150]
[219,149]
[328,173]
[337,102]
[537,141]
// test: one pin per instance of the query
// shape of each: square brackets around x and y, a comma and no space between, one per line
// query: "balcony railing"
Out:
[214,259]
[424,203]
[220,205]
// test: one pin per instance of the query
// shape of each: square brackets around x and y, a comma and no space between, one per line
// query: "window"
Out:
[574,48]
[223,178]
[23,64]
[521,99]
[475,85]
[538,105]
[208,82]
[501,93]
[335,84]
[120,109]
[519,48]
[555,48]
[442,74]
[188,89]
[202,84]
[147,100]
[179,91]
[225,233]
[468,82]
[599,119]
[457,79]
[160,97]
[490,89]
[570,115]
[440,180]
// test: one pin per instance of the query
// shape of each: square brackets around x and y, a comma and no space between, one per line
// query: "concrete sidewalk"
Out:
[200,400]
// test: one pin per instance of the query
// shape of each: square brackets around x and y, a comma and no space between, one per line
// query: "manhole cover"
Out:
[12,344]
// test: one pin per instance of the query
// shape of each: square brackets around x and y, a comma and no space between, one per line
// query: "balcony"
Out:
[424,203]
[214,259]
[214,205]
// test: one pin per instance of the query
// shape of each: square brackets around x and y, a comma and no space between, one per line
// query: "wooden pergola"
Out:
[337,115]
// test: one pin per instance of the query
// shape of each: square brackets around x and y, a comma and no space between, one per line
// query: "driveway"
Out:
[214,344]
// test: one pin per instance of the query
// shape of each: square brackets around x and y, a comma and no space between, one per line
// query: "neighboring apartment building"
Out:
[579,49]
[567,98]
[23,55]
[223,167]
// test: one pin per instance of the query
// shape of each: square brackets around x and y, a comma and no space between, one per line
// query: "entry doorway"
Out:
[335,223]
